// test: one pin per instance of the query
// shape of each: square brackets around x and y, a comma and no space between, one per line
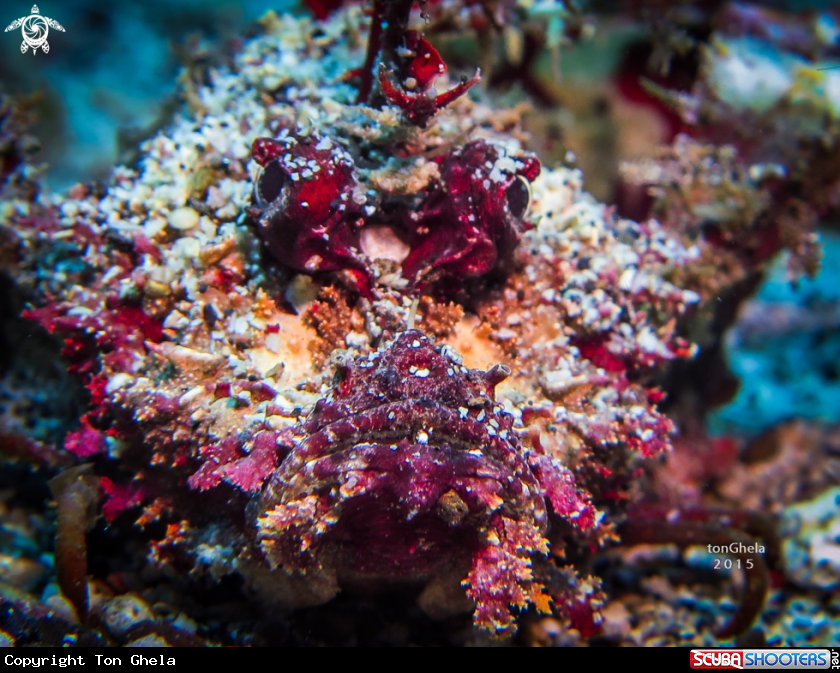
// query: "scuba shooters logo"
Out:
[717,659]
[798,659]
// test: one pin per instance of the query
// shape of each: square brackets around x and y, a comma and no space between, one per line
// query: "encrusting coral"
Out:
[488,334]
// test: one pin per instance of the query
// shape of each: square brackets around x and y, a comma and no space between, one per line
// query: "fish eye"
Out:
[270,183]
[518,195]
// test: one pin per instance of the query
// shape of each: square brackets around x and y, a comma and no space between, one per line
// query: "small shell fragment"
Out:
[184,219]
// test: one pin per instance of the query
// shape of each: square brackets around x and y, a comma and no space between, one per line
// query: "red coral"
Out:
[97,387]
[416,98]
[648,433]
[221,390]
[584,618]
[120,497]
[594,349]
[407,469]
[85,442]
[260,392]
[133,318]
[415,62]
[419,108]
[115,331]
[426,65]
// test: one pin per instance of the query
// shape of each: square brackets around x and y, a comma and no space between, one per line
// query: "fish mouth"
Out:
[398,510]
[391,449]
